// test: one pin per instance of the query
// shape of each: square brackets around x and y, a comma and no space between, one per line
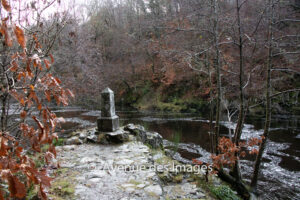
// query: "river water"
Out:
[280,175]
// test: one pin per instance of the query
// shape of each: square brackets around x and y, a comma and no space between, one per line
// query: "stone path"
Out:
[90,170]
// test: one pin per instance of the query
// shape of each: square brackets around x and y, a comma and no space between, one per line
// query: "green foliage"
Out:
[45,148]
[167,107]
[59,142]
[63,188]
[173,98]
[224,192]
[61,171]
[178,178]
[38,160]
[32,193]
[135,95]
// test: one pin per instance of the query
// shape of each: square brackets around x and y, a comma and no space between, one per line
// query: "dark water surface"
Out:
[280,177]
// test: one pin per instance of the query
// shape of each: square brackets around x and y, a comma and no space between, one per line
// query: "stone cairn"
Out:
[108,121]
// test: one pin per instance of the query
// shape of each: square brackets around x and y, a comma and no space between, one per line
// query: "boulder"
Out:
[155,140]
[117,137]
[92,138]
[154,190]
[83,135]
[74,140]
[134,129]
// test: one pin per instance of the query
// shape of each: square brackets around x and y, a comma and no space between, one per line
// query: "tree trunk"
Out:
[217,66]
[239,127]
[268,102]
[239,186]
[211,105]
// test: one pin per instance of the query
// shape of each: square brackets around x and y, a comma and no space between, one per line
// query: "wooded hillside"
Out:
[161,54]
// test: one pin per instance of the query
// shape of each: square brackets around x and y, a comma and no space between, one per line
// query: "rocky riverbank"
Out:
[127,164]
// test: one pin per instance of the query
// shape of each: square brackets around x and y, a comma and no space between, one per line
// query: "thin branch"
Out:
[286,36]
[275,95]
[288,20]
[295,52]
[283,92]
[286,70]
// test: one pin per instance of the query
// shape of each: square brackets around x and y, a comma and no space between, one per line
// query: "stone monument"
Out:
[109,121]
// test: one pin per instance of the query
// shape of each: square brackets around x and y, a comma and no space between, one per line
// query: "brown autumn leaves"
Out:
[28,80]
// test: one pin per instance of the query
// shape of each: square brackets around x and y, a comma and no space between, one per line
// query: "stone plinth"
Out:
[108,124]
[108,121]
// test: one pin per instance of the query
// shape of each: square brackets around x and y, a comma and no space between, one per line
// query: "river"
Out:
[280,175]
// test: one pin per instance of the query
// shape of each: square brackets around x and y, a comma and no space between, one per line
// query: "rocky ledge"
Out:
[120,165]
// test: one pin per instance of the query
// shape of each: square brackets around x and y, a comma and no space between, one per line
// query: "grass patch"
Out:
[38,160]
[45,148]
[178,178]
[134,182]
[59,142]
[63,189]
[165,160]
[63,186]
[61,171]
[224,192]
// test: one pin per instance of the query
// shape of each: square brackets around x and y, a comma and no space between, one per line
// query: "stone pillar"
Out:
[109,121]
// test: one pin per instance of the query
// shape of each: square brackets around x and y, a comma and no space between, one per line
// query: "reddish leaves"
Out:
[52,59]
[23,114]
[36,41]
[15,187]
[1,195]
[55,90]
[39,106]
[22,102]
[48,95]
[42,194]
[40,125]
[229,152]
[3,147]
[4,31]
[70,93]
[254,151]
[31,86]
[28,69]
[243,154]
[20,36]
[197,162]
[14,67]
[47,63]
[6,5]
